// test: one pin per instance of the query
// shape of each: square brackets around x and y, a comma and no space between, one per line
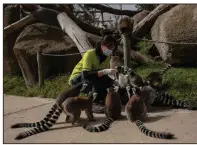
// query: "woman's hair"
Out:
[109,40]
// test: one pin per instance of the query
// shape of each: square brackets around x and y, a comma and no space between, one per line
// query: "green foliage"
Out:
[144,46]
[16,86]
[180,82]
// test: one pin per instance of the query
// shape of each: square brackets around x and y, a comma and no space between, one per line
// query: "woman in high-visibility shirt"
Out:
[94,67]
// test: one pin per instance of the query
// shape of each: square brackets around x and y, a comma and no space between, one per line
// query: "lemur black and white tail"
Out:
[146,131]
[165,69]
[43,127]
[103,127]
[40,123]
[167,99]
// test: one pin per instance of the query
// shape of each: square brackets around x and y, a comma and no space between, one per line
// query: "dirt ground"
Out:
[183,123]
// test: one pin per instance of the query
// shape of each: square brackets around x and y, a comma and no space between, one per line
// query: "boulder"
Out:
[10,64]
[49,40]
[177,25]
[139,16]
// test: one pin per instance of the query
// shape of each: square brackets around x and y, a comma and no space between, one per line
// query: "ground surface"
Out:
[182,123]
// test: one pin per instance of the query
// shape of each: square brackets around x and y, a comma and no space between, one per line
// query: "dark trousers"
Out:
[95,84]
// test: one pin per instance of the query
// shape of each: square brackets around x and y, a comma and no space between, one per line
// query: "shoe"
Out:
[98,108]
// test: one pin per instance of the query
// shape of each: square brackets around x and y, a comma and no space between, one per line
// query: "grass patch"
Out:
[14,85]
[180,82]
[144,46]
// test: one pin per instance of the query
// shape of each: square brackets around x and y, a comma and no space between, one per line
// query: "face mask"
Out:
[107,52]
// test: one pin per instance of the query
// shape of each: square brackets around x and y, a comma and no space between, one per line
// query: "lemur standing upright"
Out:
[136,111]
[113,111]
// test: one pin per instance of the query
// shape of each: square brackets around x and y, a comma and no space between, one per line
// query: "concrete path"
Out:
[182,123]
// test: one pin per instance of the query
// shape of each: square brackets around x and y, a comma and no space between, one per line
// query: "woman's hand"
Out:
[107,72]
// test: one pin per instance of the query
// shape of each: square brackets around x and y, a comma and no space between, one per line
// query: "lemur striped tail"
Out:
[162,135]
[40,123]
[167,99]
[165,69]
[42,128]
[103,127]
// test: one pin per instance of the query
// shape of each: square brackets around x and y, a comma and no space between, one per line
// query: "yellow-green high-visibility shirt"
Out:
[89,62]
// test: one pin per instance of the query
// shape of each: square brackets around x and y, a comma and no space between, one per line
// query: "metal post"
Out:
[126,47]
[40,69]
[126,28]
[102,18]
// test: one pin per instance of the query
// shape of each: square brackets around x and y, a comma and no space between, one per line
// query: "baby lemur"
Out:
[136,111]
[112,112]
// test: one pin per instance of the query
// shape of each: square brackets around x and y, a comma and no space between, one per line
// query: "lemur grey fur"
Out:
[155,79]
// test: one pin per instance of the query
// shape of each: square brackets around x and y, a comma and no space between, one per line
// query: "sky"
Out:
[108,16]
[124,6]
[111,17]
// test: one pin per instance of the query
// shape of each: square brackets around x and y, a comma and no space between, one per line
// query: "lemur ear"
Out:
[128,88]
[116,88]
[94,96]
[83,87]
[134,90]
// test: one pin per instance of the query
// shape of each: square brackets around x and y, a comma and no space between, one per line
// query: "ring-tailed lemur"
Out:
[112,112]
[165,98]
[72,107]
[147,93]
[135,79]
[152,97]
[136,111]
[115,61]
[56,108]
[155,79]
[72,92]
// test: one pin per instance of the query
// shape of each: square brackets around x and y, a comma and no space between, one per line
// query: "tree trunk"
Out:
[19,24]
[75,32]
[112,11]
[25,69]
[82,42]
[86,27]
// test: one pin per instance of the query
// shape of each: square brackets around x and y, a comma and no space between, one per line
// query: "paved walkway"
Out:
[182,123]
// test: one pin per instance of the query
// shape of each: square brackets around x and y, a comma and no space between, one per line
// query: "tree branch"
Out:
[49,16]
[144,26]
[86,27]
[112,11]
[19,24]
